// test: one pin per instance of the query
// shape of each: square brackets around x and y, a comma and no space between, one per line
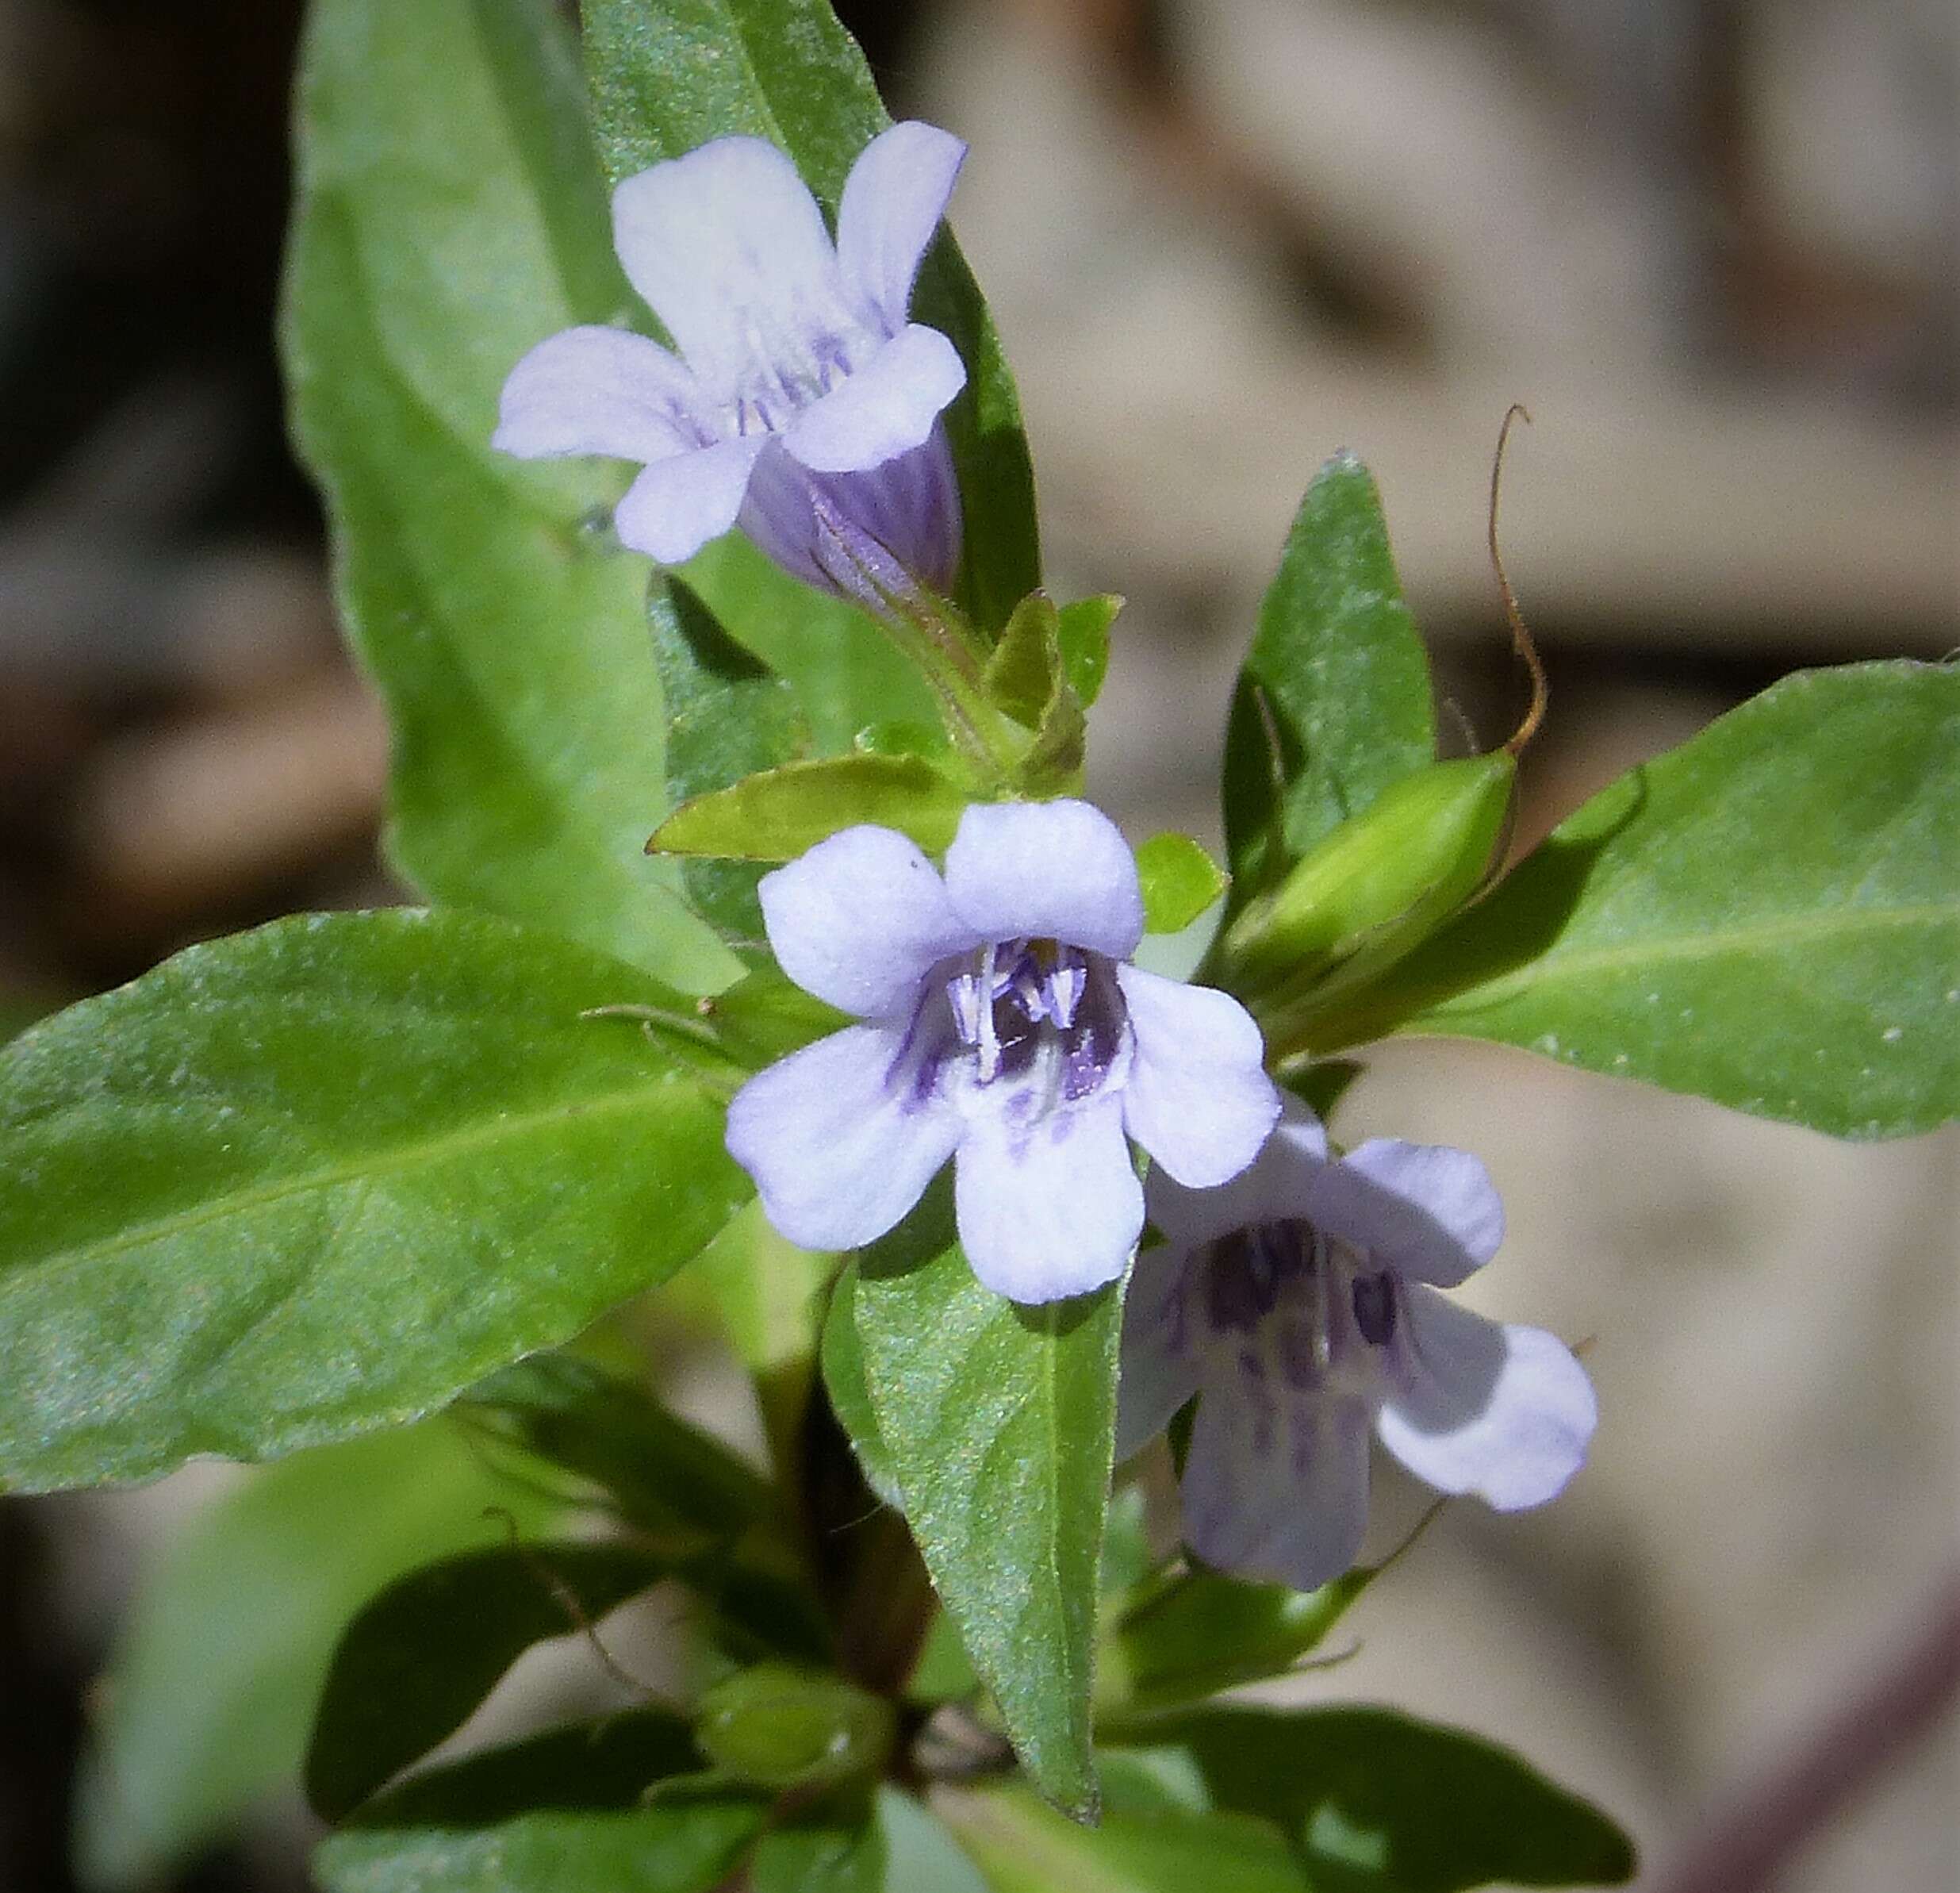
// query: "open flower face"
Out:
[1302,1302]
[1001,1027]
[803,403]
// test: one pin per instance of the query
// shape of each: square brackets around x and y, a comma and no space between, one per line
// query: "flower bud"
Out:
[1374,889]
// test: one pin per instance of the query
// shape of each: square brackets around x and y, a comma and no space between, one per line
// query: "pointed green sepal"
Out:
[777,815]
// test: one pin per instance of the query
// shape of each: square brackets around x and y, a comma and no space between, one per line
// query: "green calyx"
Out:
[1371,892]
[779,1726]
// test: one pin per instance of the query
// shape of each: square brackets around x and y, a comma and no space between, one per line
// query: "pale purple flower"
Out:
[1002,1028]
[805,404]
[1302,1303]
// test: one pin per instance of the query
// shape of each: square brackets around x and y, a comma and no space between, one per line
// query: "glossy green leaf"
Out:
[669,75]
[1768,916]
[775,817]
[1024,1847]
[1333,701]
[422,1653]
[449,216]
[729,716]
[211,1685]
[1179,881]
[315,1180]
[1380,1802]
[686,1845]
[843,1362]
[998,1419]
[1200,1632]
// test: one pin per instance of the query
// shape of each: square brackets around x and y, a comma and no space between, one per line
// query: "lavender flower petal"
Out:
[1431,1210]
[860,919]
[887,405]
[728,248]
[1271,1189]
[910,506]
[1056,870]
[893,201]
[1198,1098]
[1505,1412]
[1277,1487]
[677,505]
[839,1137]
[1160,1369]
[1049,1211]
[593,390]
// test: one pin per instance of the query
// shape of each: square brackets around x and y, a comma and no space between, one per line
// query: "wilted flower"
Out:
[1301,1302]
[804,405]
[1001,1028]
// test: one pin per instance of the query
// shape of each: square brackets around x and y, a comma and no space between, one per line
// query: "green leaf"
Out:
[212,1686]
[1379,1803]
[729,716]
[708,1514]
[776,816]
[766,1017]
[999,1420]
[1333,703]
[606,1763]
[843,1362]
[450,217]
[566,1811]
[683,1846]
[421,1655]
[1768,916]
[670,1480]
[836,1847]
[1179,881]
[847,674]
[669,75]
[1201,1632]
[315,1180]
[1024,1847]
[1083,630]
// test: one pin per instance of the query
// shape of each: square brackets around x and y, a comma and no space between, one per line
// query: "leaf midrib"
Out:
[426,1154]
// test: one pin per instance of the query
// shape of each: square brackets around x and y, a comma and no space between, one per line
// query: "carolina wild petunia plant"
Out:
[678,490]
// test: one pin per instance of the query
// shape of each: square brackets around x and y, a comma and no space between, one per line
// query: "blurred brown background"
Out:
[1711,243]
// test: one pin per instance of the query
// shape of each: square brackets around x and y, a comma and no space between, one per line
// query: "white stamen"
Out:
[988,1040]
